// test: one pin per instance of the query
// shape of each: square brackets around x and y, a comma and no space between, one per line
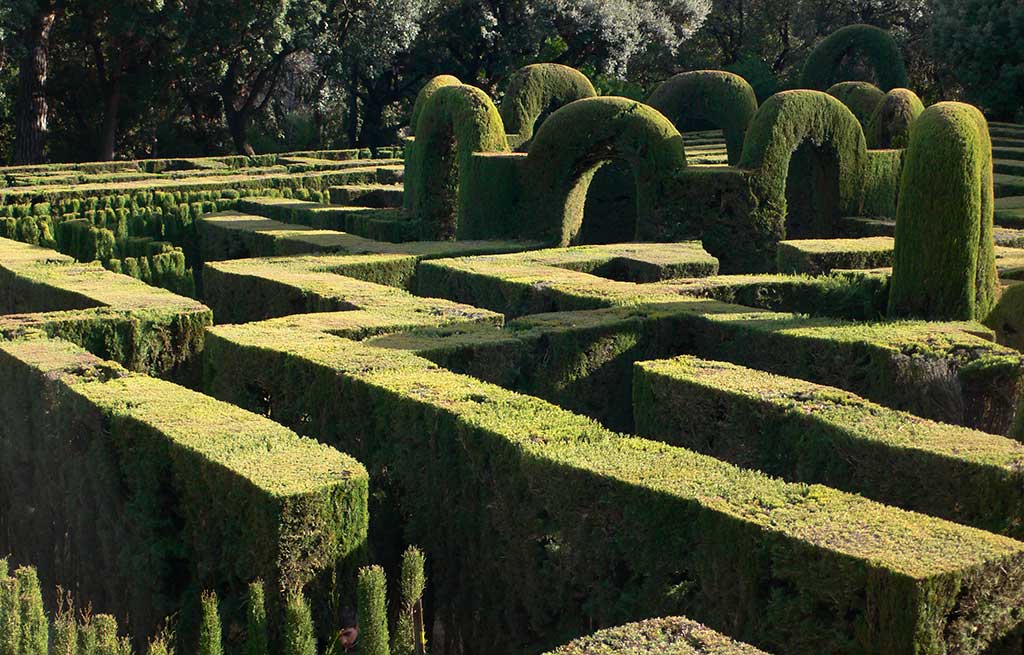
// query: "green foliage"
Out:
[256,637]
[409,637]
[535,91]
[298,637]
[105,626]
[10,617]
[428,89]
[944,263]
[862,98]
[210,640]
[671,636]
[372,611]
[35,627]
[875,44]
[890,124]
[722,99]
[65,628]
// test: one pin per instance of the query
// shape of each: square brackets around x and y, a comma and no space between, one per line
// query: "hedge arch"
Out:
[428,90]
[455,122]
[862,98]
[944,261]
[718,97]
[890,124]
[581,136]
[876,44]
[813,139]
[536,90]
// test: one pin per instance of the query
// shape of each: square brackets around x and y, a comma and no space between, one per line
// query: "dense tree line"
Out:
[102,79]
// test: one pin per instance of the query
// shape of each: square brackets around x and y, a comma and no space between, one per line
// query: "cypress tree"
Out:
[256,631]
[35,629]
[88,643]
[209,626]
[299,638]
[105,626]
[10,617]
[409,636]
[372,611]
[161,643]
[124,646]
[65,630]
[3,568]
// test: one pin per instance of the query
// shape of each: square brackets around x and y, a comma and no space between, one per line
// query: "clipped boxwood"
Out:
[875,44]
[432,85]
[535,91]
[455,122]
[723,99]
[944,262]
[889,126]
[863,99]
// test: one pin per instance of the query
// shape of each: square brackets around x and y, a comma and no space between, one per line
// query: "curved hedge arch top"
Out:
[721,98]
[781,125]
[877,45]
[539,88]
[889,126]
[428,90]
[455,122]
[577,139]
[944,260]
[862,98]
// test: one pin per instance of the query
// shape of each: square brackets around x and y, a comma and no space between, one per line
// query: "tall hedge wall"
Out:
[535,91]
[862,98]
[873,43]
[889,126]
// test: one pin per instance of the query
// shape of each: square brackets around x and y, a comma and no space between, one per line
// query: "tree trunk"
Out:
[31,112]
[238,126]
[108,138]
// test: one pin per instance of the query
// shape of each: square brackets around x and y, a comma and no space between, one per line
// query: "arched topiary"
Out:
[720,98]
[428,90]
[889,126]
[877,46]
[536,90]
[862,98]
[813,140]
[455,122]
[944,261]
[576,140]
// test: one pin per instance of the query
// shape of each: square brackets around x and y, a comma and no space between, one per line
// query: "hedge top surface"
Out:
[905,543]
[863,98]
[673,635]
[539,89]
[859,417]
[876,44]
[824,246]
[889,126]
[432,85]
[721,98]
[265,453]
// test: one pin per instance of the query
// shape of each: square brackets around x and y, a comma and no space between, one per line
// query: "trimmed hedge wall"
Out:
[138,493]
[891,121]
[559,524]
[535,91]
[669,636]
[723,99]
[455,122]
[804,432]
[862,98]
[139,326]
[432,85]
[818,256]
[876,44]
[944,263]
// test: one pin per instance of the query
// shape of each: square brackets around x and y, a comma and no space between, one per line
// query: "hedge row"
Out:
[805,432]
[119,318]
[818,256]
[669,636]
[154,492]
[544,523]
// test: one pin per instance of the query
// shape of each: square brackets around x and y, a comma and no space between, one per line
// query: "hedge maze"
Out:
[633,384]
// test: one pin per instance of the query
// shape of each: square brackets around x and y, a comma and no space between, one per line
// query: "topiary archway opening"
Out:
[875,45]
[455,122]
[575,141]
[534,92]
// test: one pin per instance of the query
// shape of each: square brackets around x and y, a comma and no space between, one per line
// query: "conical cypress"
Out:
[106,634]
[65,632]
[10,617]
[256,629]
[35,629]
[209,626]
[409,635]
[299,638]
[372,611]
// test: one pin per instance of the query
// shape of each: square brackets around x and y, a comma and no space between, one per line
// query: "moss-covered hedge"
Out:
[138,493]
[668,636]
[862,98]
[535,91]
[723,99]
[455,122]
[944,263]
[889,126]
[574,142]
[560,525]
[804,432]
[873,43]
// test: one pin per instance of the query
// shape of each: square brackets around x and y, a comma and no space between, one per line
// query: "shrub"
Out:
[35,628]
[298,636]
[210,640]
[535,91]
[889,126]
[372,611]
[409,634]
[862,98]
[432,85]
[876,44]
[256,641]
[10,617]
